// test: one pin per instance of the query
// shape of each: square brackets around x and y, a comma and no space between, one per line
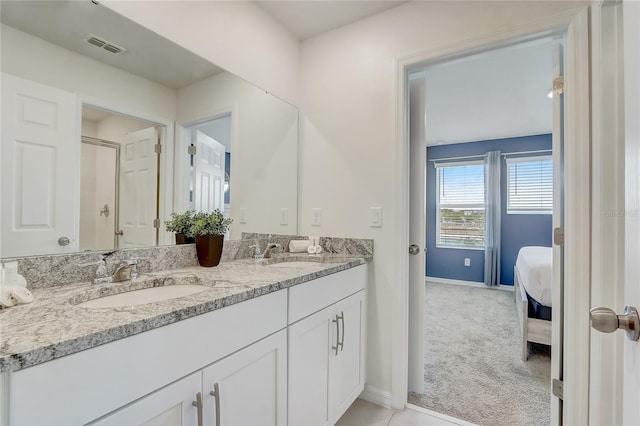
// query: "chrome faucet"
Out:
[127,270]
[264,254]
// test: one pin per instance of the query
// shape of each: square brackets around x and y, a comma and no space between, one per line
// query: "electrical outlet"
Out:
[284,216]
[467,261]
[316,217]
[375,218]
[243,215]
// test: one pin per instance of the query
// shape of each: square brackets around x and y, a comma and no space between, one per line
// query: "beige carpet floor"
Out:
[473,366]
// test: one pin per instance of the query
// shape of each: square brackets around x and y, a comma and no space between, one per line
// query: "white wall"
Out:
[35,59]
[235,35]
[348,131]
[264,140]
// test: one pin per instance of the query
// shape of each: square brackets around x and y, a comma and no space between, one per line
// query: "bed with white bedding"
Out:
[533,276]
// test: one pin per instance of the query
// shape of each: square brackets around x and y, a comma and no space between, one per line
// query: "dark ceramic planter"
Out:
[209,249]
[183,239]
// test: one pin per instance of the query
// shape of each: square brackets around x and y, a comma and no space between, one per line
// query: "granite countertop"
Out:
[54,326]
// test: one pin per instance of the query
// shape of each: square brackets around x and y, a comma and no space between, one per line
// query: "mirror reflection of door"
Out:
[98,194]
[128,216]
[210,165]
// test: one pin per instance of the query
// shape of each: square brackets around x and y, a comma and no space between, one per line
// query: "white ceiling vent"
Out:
[104,44]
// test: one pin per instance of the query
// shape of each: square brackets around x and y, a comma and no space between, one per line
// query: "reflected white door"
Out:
[631,373]
[138,189]
[39,158]
[209,173]
[417,231]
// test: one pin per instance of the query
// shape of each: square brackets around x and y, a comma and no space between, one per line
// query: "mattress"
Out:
[536,272]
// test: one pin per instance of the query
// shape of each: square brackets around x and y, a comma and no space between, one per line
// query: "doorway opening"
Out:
[486,148]
[120,179]
[210,165]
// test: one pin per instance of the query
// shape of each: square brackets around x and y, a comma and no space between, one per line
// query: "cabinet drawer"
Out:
[81,387]
[313,296]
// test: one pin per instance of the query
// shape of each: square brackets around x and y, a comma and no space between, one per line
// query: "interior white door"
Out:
[138,189]
[209,173]
[631,373]
[417,231]
[40,173]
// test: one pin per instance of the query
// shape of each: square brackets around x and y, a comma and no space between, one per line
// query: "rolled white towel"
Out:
[311,249]
[299,246]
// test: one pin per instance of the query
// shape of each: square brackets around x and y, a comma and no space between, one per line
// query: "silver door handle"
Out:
[342,340]
[120,232]
[216,394]
[198,404]
[64,241]
[414,249]
[607,321]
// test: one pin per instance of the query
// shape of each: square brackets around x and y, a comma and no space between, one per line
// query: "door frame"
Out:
[165,129]
[578,206]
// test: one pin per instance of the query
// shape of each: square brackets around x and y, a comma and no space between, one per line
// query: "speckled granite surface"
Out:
[54,326]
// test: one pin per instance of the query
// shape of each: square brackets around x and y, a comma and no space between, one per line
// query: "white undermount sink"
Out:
[143,296]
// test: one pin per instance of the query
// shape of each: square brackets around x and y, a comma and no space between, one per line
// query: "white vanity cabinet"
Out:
[326,348]
[246,388]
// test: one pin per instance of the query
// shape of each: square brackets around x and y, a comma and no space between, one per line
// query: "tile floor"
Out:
[364,413]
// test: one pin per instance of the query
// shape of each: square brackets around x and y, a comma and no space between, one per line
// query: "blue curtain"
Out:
[492,219]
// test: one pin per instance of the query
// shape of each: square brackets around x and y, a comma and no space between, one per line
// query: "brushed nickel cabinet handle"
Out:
[342,340]
[198,404]
[337,346]
[216,394]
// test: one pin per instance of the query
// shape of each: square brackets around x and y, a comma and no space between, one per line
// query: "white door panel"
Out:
[138,189]
[40,157]
[209,167]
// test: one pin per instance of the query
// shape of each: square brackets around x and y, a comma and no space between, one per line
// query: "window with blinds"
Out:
[530,185]
[460,210]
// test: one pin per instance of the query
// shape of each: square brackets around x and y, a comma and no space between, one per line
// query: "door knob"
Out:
[414,249]
[64,241]
[607,321]
[120,232]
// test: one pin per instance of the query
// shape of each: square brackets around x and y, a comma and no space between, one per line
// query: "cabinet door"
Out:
[309,345]
[347,367]
[169,406]
[248,387]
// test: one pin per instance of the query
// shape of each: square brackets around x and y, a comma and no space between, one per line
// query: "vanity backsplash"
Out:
[54,270]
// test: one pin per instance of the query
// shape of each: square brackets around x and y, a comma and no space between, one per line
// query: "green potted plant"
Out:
[181,225]
[209,230]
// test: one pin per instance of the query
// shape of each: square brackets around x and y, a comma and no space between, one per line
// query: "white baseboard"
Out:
[503,287]
[376,396]
[439,415]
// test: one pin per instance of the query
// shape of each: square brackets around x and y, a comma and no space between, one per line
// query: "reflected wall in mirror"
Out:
[79,84]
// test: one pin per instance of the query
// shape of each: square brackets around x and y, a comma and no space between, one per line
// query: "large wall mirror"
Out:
[107,128]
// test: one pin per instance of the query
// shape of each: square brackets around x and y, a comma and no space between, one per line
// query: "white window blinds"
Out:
[530,185]
[460,211]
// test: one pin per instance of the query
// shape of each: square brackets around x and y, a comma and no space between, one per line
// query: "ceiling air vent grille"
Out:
[104,44]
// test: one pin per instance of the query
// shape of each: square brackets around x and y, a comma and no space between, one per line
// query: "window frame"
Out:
[528,159]
[469,206]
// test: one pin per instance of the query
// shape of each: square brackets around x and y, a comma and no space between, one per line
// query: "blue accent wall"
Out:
[517,230]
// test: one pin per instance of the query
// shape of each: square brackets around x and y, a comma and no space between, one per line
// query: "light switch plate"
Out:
[243,215]
[467,261]
[375,217]
[284,216]
[316,217]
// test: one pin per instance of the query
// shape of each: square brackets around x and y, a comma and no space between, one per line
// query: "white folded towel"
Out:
[299,246]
